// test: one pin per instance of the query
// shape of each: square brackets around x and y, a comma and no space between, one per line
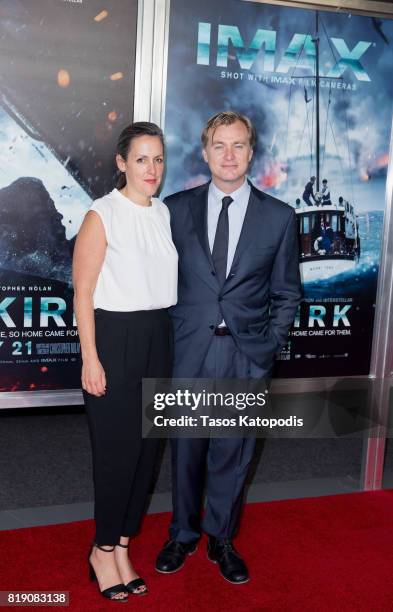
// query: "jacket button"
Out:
[211,326]
[213,273]
[220,298]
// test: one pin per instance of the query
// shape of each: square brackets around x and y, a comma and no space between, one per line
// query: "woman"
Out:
[125,278]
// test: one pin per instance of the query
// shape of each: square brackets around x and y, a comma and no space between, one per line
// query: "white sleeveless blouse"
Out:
[139,271]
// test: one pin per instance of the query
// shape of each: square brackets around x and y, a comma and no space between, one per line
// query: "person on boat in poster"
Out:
[326,201]
[309,192]
[324,243]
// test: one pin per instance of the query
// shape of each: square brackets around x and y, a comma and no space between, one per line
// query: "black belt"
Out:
[222,331]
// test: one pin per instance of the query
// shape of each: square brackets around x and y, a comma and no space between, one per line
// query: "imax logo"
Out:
[301,52]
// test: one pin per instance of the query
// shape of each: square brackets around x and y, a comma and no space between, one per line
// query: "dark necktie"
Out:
[221,239]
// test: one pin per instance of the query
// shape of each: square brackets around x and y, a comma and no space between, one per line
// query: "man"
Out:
[326,201]
[324,242]
[238,292]
[309,192]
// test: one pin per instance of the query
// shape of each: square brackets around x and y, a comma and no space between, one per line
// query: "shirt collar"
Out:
[238,193]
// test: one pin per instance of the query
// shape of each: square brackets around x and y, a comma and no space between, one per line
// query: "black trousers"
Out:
[131,346]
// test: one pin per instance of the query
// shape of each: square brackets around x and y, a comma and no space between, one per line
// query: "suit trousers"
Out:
[227,461]
[131,346]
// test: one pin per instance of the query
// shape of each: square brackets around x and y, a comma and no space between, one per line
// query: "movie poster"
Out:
[66,91]
[318,88]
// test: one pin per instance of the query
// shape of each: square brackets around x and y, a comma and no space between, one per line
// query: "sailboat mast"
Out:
[317,87]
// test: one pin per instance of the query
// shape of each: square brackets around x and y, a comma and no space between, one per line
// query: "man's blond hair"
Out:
[227,118]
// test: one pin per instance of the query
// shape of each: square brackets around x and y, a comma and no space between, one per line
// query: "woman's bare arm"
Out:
[88,258]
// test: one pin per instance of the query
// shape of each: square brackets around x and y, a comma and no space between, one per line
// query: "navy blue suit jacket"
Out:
[260,296]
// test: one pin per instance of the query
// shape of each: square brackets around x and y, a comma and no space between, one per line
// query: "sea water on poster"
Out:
[260,59]
[66,92]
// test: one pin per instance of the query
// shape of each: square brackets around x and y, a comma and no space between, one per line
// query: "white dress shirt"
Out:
[236,213]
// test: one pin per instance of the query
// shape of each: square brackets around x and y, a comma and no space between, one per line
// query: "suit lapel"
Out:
[250,229]
[250,232]
[198,207]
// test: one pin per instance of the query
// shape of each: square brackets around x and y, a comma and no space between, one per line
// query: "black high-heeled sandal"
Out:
[110,592]
[133,586]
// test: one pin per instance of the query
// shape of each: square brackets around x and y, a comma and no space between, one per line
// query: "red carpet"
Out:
[330,553]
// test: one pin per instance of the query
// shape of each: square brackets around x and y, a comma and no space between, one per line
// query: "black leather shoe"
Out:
[173,555]
[232,566]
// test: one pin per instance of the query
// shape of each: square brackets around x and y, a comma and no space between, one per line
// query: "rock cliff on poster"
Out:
[317,87]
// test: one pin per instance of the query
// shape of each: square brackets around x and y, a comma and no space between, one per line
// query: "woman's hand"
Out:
[89,254]
[93,378]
